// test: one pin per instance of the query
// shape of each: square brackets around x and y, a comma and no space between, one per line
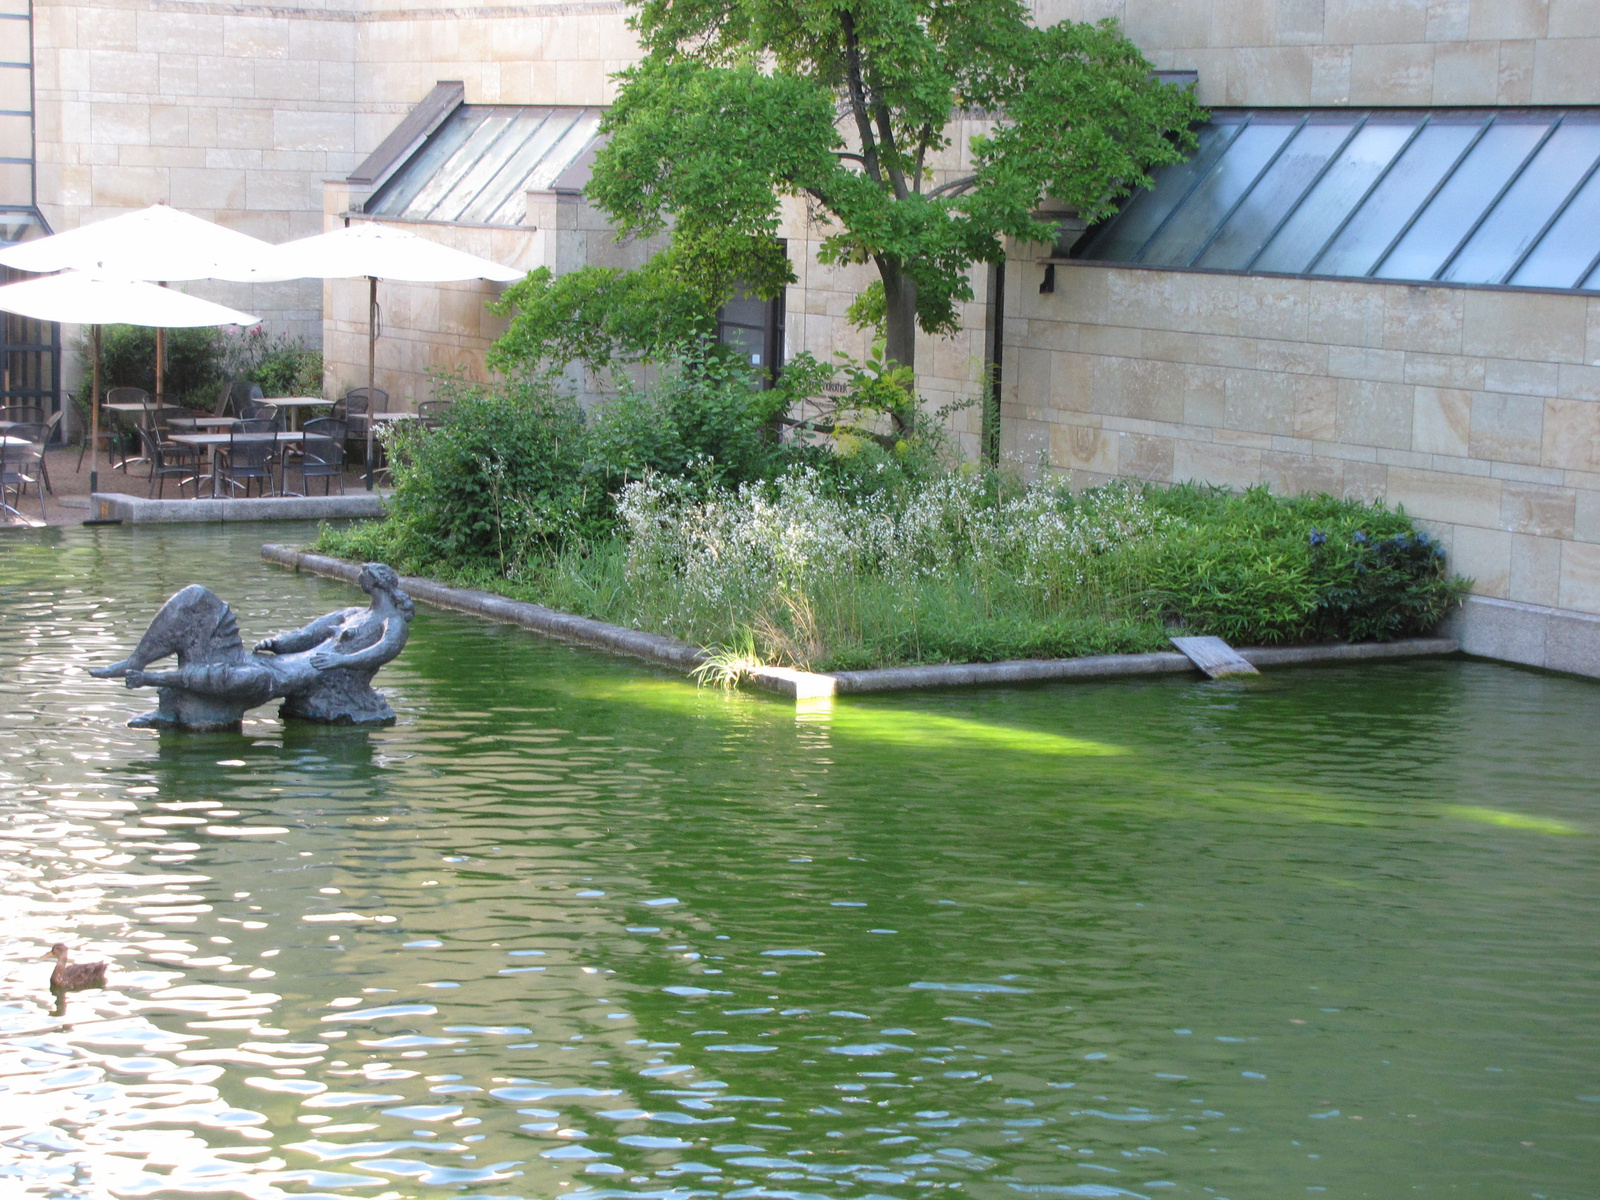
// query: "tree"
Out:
[848,104]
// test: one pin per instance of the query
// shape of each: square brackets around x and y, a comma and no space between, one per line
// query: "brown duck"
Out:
[69,977]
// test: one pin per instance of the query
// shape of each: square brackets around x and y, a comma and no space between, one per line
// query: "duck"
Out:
[69,977]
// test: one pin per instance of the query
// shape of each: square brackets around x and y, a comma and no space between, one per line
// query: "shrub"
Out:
[1252,567]
[517,471]
[706,417]
[282,365]
[505,475]
[128,359]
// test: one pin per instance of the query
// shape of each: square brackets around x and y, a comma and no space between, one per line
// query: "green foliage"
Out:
[727,666]
[517,472]
[738,104]
[705,418]
[194,371]
[599,316]
[282,365]
[504,476]
[199,362]
[883,557]
[1252,567]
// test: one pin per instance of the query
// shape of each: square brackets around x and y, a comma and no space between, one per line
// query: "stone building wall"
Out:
[1365,52]
[240,112]
[1478,409]
[233,112]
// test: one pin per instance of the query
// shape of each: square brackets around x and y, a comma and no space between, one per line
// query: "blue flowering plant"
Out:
[1256,569]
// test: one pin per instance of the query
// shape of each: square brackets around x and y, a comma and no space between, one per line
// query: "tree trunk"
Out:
[900,326]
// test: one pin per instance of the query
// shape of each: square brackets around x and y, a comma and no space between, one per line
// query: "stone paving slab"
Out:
[810,685]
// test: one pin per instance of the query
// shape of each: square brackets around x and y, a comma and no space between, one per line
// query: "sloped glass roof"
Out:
[475,168]
[1510,196]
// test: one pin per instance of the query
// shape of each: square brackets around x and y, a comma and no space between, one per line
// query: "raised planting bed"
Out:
[803,685]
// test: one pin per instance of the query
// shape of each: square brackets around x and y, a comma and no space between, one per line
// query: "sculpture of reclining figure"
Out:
[322,672]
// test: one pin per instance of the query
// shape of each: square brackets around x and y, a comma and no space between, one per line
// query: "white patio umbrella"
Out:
[376,252]
[83,299]
[159,244]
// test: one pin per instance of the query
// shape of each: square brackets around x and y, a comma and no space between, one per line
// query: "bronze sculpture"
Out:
[322,672]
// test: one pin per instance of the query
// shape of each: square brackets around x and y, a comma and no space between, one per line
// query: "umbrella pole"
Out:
[161,358]
[372,363]
[94,419]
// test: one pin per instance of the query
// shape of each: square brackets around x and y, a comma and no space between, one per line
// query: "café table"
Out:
[295,403]
[201,422]
[133,408]
[214,440]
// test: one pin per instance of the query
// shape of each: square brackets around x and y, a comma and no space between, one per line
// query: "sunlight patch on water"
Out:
[1530,822]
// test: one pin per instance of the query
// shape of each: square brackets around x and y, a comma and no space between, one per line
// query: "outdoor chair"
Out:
[21,455]
[113,429]
[245,459]
[235,395]
[50,428]
[321,454]
[22,414]
[354,408]
[111,436]
[175,454]
[257,409]
[162,407]
[165,464]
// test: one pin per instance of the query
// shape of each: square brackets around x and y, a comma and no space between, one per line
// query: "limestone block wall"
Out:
[240,112]
[534,53]
[1365,52]
[233,112]
[1477,409]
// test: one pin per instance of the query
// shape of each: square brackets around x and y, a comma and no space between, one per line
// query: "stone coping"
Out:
[136,510]
[809,685]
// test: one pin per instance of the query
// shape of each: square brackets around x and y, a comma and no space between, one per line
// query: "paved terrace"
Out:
[68,504]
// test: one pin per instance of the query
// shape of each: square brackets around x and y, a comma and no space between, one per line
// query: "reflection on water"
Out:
[573,928]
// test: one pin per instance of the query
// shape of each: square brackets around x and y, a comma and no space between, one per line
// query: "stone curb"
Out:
[136,510]
[667,651]
[809,685]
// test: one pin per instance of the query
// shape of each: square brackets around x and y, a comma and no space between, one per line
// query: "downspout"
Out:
[990,429]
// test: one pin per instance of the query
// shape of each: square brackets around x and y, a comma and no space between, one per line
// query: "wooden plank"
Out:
[1213,656]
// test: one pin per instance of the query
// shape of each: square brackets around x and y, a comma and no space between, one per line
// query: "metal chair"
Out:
[321,454]
[246,458]
[22,452]
[115,435]
[355,408]
[163,467]
[235,395]
[174,454]
[51,426]
[22,414]
[257,409]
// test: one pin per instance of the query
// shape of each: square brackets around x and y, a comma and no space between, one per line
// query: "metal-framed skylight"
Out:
[477,167]
[1507,197]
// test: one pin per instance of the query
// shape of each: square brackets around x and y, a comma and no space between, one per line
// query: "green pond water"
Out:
[572,928]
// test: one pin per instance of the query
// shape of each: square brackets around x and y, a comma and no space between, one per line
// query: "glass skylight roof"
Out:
[475,168]
[1460,196]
